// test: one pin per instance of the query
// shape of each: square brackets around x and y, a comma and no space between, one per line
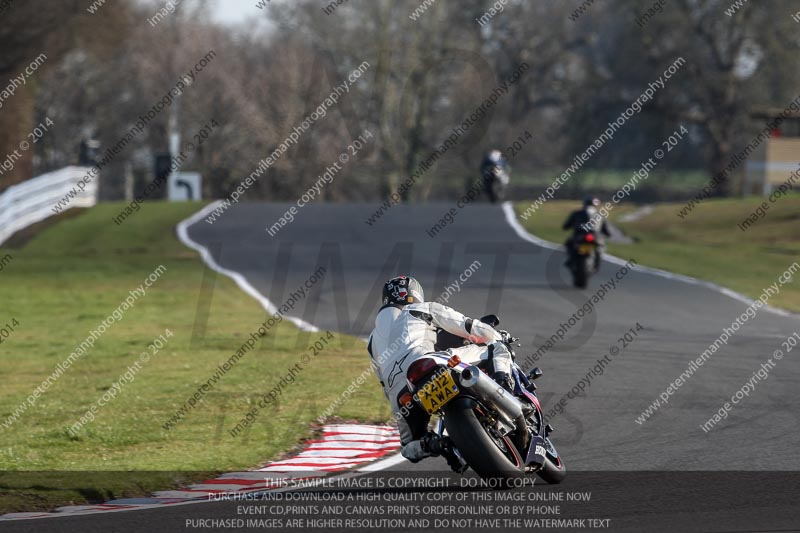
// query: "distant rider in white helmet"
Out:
[405,330]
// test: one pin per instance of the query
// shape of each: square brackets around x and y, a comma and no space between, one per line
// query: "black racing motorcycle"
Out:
[498,434]
[582,258]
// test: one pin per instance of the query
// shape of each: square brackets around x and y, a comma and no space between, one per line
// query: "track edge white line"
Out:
[511,218]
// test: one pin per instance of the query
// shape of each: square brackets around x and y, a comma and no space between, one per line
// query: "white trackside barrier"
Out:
[32,201]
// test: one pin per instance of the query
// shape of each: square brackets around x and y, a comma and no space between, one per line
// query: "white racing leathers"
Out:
[404,334]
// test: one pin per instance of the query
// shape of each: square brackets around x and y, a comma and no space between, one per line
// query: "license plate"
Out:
[586,249]
[437,392]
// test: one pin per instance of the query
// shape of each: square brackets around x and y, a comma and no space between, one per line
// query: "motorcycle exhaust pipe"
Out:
[485,388]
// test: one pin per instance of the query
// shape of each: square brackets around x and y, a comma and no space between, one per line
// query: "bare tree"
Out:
[54,29]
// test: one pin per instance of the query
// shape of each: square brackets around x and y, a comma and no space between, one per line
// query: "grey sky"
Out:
[235,11]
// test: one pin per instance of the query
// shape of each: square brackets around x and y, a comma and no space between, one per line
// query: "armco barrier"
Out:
[32,201]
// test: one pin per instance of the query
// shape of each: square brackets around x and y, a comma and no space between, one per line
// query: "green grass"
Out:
[688,180]
[64,282]
[706,245]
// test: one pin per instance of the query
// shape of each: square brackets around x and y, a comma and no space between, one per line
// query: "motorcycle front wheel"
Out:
[491,455]
[553,471]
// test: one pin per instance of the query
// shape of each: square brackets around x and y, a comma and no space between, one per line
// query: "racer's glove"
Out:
[505,380]
[432,444]
[436,445]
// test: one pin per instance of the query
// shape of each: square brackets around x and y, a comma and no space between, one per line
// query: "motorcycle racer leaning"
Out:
[405,330]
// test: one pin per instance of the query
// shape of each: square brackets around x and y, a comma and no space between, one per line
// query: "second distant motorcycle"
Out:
[585,246]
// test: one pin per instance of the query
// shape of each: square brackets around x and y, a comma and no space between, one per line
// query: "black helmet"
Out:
[402,290]
[591,200]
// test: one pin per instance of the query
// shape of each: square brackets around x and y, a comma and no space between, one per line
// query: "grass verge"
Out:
[707,245]
[64,283]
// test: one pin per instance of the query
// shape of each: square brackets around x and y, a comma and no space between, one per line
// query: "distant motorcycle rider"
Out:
[587,220]
[495,172]
[405,330]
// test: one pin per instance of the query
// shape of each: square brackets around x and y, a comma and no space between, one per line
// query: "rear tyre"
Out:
[581,272]
[498,192]
[490,455]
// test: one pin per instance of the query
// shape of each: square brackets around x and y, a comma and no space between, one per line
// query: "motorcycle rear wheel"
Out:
[491,456]
[581,272]
[498,192]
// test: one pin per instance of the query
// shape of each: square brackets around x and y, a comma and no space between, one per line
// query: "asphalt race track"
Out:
[529,289]
[633,470]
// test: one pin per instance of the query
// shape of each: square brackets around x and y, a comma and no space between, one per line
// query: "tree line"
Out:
[427,75]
